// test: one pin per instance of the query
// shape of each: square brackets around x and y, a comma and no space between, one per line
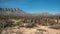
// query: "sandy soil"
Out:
[22,30]
[36,30]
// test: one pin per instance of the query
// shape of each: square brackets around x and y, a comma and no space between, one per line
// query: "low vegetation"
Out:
[41,31]
[6,21]
[56,26]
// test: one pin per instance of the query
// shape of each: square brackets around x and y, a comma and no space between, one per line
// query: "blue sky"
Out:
[33,6]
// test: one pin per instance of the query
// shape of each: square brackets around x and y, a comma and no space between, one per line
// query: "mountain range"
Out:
[19,12]
[11,11]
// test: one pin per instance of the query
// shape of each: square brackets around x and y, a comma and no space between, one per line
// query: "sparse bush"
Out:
[43,23]
[27,25]
[6,23]
[9,23]
[19,32]
[30,25]
[20,24]
[41,31]
[51,22]
[56,26]
[2,24]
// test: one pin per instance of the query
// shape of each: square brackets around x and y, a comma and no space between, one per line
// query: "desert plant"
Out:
[9,23]
[56,26]
[20,24]
[19,32]
[6,23]
[30,25]
[2,24]
[41,31]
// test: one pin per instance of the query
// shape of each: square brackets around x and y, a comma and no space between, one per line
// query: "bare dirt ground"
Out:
[36,30]
[49,30]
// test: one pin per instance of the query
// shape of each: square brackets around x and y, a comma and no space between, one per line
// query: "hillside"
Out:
[11,11]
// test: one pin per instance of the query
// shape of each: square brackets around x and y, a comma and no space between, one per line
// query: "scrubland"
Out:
[29,25]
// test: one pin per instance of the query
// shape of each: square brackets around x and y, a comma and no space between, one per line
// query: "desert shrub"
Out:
[41,31]
[5,23]
[42,22]
[27,25]
[19,32]
[30,25]
[20,24]
[56,26]
[51,22]
[2,24]
[9,23]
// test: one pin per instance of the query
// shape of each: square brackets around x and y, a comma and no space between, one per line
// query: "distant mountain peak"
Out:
[41,14]
[9,9]
[12,11]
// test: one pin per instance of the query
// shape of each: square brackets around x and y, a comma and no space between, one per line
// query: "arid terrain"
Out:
[36,30]
[22,26]
[15,22]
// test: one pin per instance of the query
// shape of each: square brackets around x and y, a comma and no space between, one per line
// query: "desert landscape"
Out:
[16,21]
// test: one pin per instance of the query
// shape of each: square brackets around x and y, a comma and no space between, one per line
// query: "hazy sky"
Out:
[33,6]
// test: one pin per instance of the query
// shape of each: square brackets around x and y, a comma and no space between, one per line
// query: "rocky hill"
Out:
[11,11]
